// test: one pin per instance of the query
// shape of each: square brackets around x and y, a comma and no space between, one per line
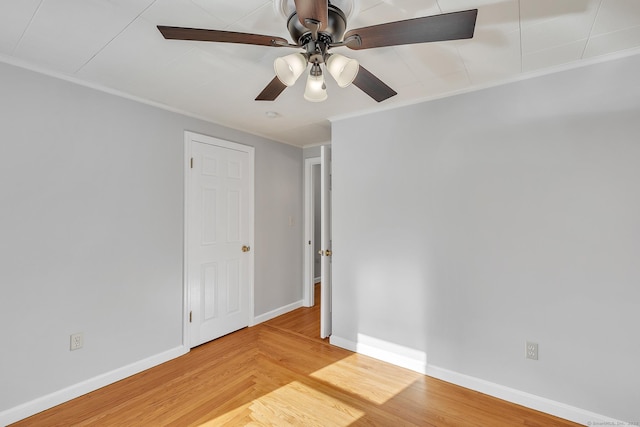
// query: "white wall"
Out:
[91,231]
[477,222]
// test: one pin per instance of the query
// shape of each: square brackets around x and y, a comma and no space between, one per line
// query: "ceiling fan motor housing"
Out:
[333,32]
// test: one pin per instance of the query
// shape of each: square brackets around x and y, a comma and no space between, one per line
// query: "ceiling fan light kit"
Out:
[317,26]
[289,68]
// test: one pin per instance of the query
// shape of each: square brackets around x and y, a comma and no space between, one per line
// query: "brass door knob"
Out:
[327,252]
[246,248]
[321,252]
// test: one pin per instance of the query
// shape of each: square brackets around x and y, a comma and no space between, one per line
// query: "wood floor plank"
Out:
[281,373]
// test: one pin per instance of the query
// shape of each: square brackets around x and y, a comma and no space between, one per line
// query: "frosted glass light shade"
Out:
[343,69]
[289,68]
[315,91]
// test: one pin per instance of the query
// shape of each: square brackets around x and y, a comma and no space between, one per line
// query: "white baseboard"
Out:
[416,361]
[343,343]
[277,312]
[40,404]
[522,398]
[387,352]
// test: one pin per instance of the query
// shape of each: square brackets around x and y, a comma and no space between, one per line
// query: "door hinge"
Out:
[191,163]
[190,316]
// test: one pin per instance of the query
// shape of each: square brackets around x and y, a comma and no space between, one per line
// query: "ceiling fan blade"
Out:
[197,34]
[317,10]
[272,90]
[448,26]
[373,86]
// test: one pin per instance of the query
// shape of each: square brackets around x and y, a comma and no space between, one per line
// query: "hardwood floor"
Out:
[280,373]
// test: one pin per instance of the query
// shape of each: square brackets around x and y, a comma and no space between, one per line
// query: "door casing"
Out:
[309,218]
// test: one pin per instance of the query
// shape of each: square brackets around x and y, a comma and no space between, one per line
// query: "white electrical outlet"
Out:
[77,341]
[532,350]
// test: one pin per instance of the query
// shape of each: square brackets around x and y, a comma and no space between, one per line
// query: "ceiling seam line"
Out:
[208,13]
[520,35]
[249,14]
[593,24]
[26,28]
[114,37]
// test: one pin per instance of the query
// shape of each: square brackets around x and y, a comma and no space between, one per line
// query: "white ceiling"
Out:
[115,44]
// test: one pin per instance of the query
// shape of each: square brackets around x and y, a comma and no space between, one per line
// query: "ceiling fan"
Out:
[318,26]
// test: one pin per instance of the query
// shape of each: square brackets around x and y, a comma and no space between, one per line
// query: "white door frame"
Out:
[205,139]
[309,254]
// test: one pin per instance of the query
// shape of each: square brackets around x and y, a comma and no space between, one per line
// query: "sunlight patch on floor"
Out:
[277,408]
[357,375]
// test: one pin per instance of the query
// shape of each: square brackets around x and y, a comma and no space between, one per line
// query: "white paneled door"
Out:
[219,256]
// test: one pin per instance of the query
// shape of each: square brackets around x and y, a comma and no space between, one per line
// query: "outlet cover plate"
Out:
[531,350]
[77,341]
